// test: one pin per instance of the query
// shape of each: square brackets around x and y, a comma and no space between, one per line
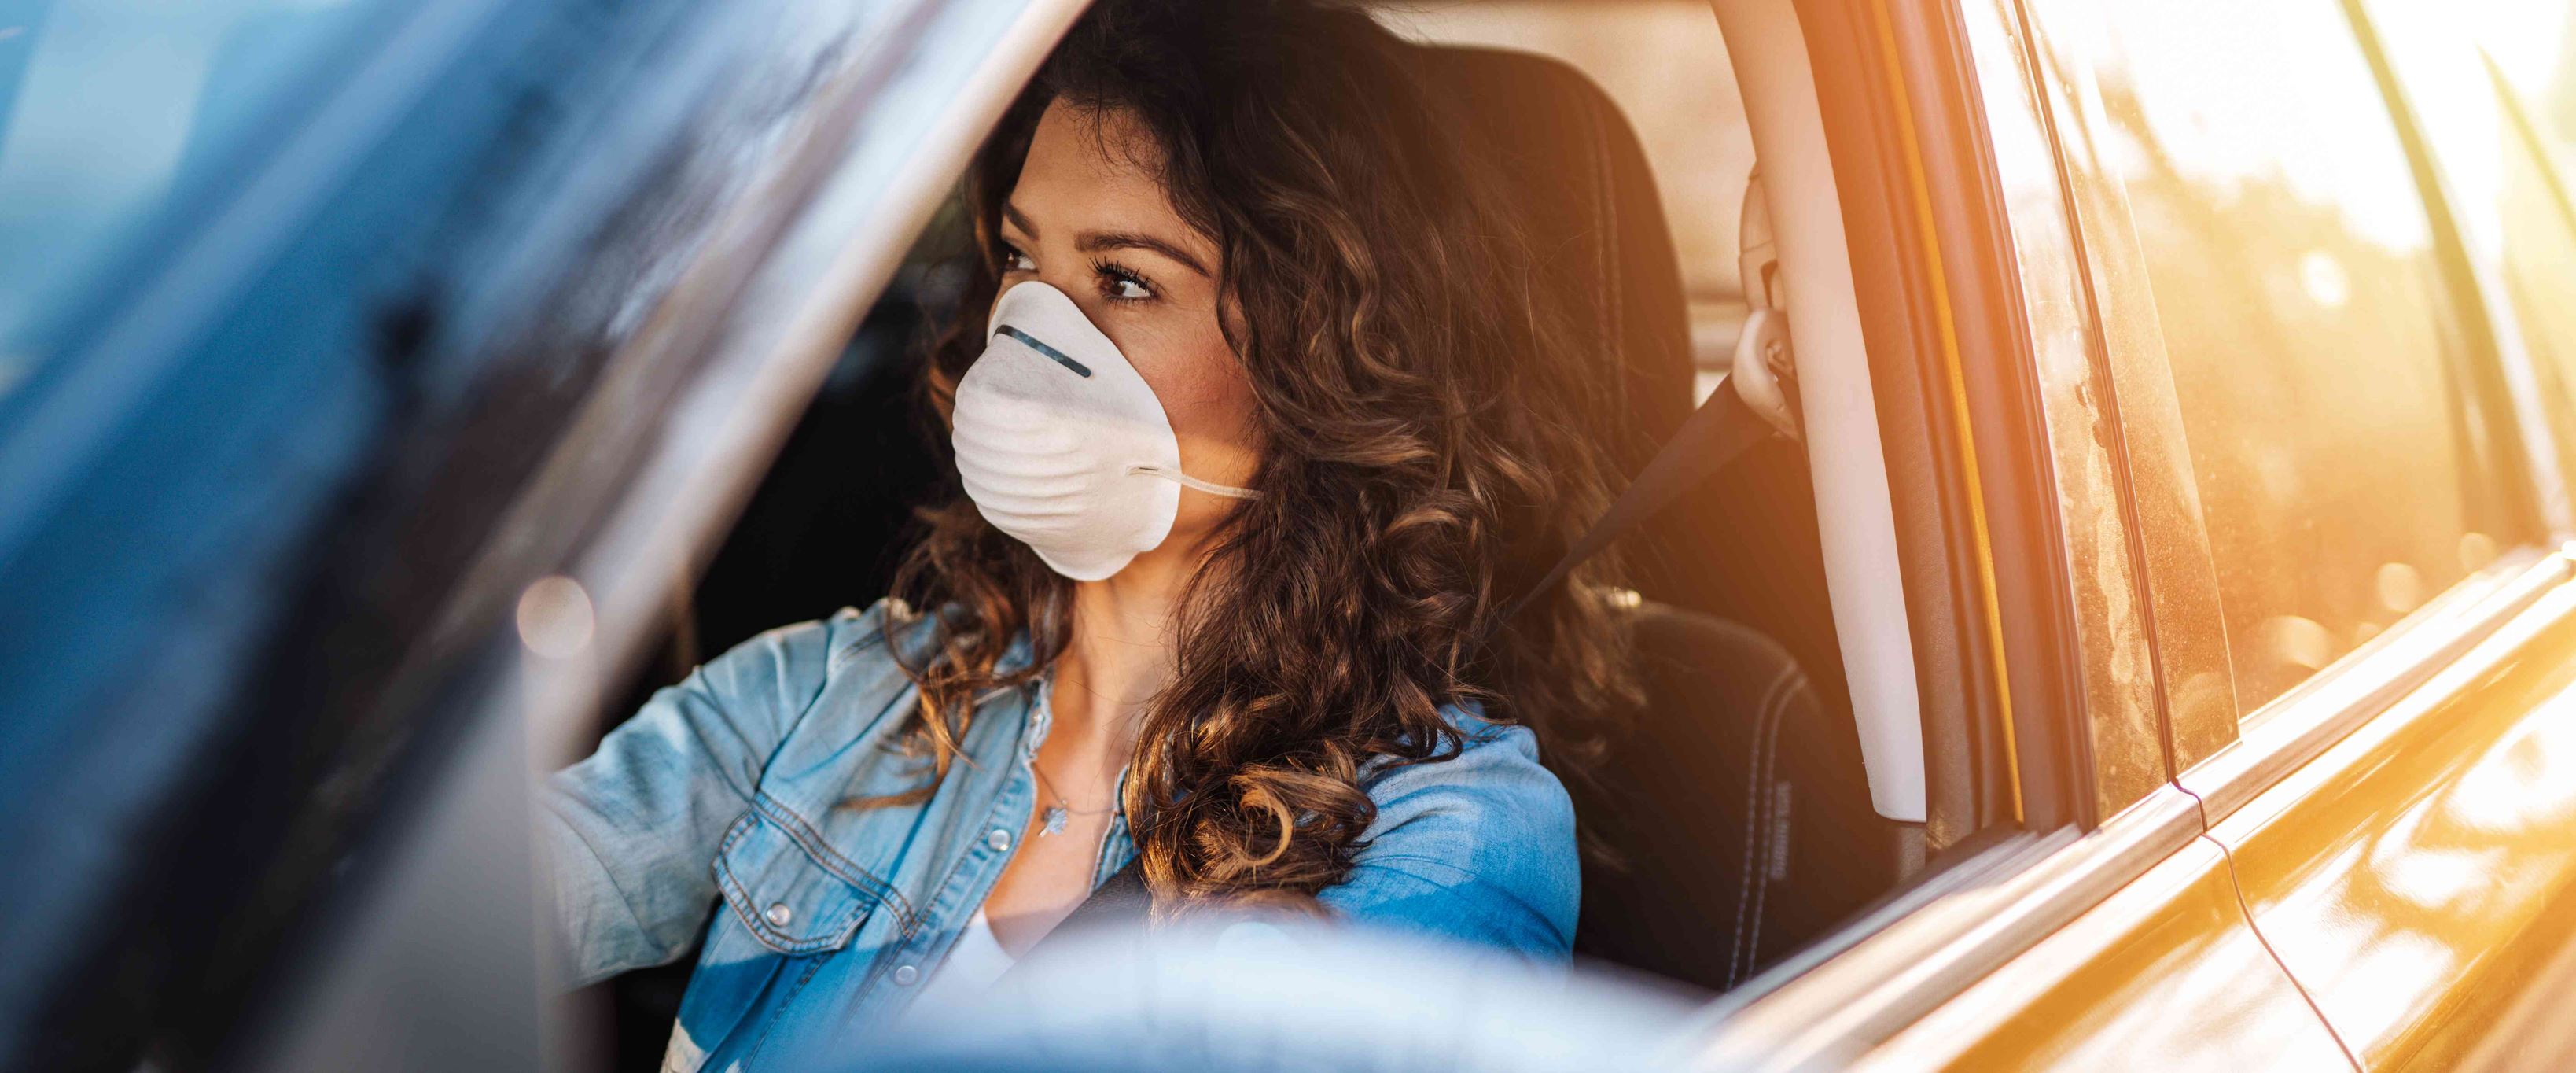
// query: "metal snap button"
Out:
[779,915]
[905,975]
[1000,840]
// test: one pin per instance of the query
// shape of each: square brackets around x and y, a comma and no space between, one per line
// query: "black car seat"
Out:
[1741,781]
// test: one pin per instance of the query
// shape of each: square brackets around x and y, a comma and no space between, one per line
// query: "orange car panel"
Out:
[2420,876]
[2163,975]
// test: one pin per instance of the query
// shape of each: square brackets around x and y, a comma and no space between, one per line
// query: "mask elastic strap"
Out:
[1187,481]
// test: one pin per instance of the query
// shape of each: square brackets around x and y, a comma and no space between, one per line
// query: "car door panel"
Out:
[2413,877]
[2164,974]
[463,295]
[2170,970]
[2388,857]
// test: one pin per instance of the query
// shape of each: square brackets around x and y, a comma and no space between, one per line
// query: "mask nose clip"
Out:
[1040,345]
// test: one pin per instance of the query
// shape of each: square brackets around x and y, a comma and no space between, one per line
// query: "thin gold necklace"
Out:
[1052,820]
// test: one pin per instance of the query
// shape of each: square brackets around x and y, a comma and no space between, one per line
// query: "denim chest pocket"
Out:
[791,890]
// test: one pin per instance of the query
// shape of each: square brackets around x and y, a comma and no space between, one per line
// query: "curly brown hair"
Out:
[1432,443]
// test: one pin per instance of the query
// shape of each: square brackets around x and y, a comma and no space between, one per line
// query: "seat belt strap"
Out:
[1120,898]
[1120,902]
[1717,433]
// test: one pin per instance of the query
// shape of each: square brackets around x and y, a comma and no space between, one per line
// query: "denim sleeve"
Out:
[1477,848]
[630,833]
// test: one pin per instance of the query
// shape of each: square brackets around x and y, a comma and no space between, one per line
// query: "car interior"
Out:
[1734,819]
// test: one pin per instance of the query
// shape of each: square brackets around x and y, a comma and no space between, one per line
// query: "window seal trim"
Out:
[2176,564]
[2122,715]
[1983,362]
[1948,349]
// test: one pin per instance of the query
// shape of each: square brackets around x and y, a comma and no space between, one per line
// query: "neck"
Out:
[1118,654]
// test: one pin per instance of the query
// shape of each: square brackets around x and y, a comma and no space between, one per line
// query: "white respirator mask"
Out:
[1062,444]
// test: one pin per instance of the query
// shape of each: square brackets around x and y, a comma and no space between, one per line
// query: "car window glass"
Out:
[2533,46]
[181,85]
[2344,458]
[2509,205]
[2530,208]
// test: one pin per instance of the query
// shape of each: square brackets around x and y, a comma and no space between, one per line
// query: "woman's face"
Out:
[1089,218]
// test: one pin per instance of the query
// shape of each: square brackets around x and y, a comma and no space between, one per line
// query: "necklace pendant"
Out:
[1053,817]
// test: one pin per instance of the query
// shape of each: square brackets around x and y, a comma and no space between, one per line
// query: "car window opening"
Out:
[1735,814]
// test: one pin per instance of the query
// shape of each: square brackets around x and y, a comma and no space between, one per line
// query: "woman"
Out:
[1260,427]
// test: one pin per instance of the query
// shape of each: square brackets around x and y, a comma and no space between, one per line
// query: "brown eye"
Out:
[1121,284]
[1015,261]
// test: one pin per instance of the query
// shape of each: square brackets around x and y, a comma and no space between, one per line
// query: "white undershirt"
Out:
[972,966]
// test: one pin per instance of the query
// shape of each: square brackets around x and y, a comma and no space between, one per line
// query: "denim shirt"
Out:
[727,809]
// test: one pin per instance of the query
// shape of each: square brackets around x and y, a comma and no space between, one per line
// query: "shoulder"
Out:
[783,670]
[1479,846]
[1501,758]
[1494,779]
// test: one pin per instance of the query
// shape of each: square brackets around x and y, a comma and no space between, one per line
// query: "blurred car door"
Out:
[363,366]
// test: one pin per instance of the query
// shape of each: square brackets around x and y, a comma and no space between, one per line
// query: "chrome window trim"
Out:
[1824,1008]
[769,300]
[2300,725]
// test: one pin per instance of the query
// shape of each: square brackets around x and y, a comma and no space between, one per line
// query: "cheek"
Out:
[1203,389]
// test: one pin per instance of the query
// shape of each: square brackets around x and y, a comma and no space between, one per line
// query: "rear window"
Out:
[2532,44]
[2496,142]
[2347,463]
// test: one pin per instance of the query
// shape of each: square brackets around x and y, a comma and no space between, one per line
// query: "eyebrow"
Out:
[1095,241]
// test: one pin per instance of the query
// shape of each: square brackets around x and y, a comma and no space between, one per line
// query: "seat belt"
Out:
[1119,904]
[1716,434]
[1119,899]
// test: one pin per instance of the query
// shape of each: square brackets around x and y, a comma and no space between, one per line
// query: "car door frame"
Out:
[1978,480]
[1859,991]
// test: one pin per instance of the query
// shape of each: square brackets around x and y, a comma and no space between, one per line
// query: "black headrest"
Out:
[1592,214]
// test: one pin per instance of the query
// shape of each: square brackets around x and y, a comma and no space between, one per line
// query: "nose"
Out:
[1076,284]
